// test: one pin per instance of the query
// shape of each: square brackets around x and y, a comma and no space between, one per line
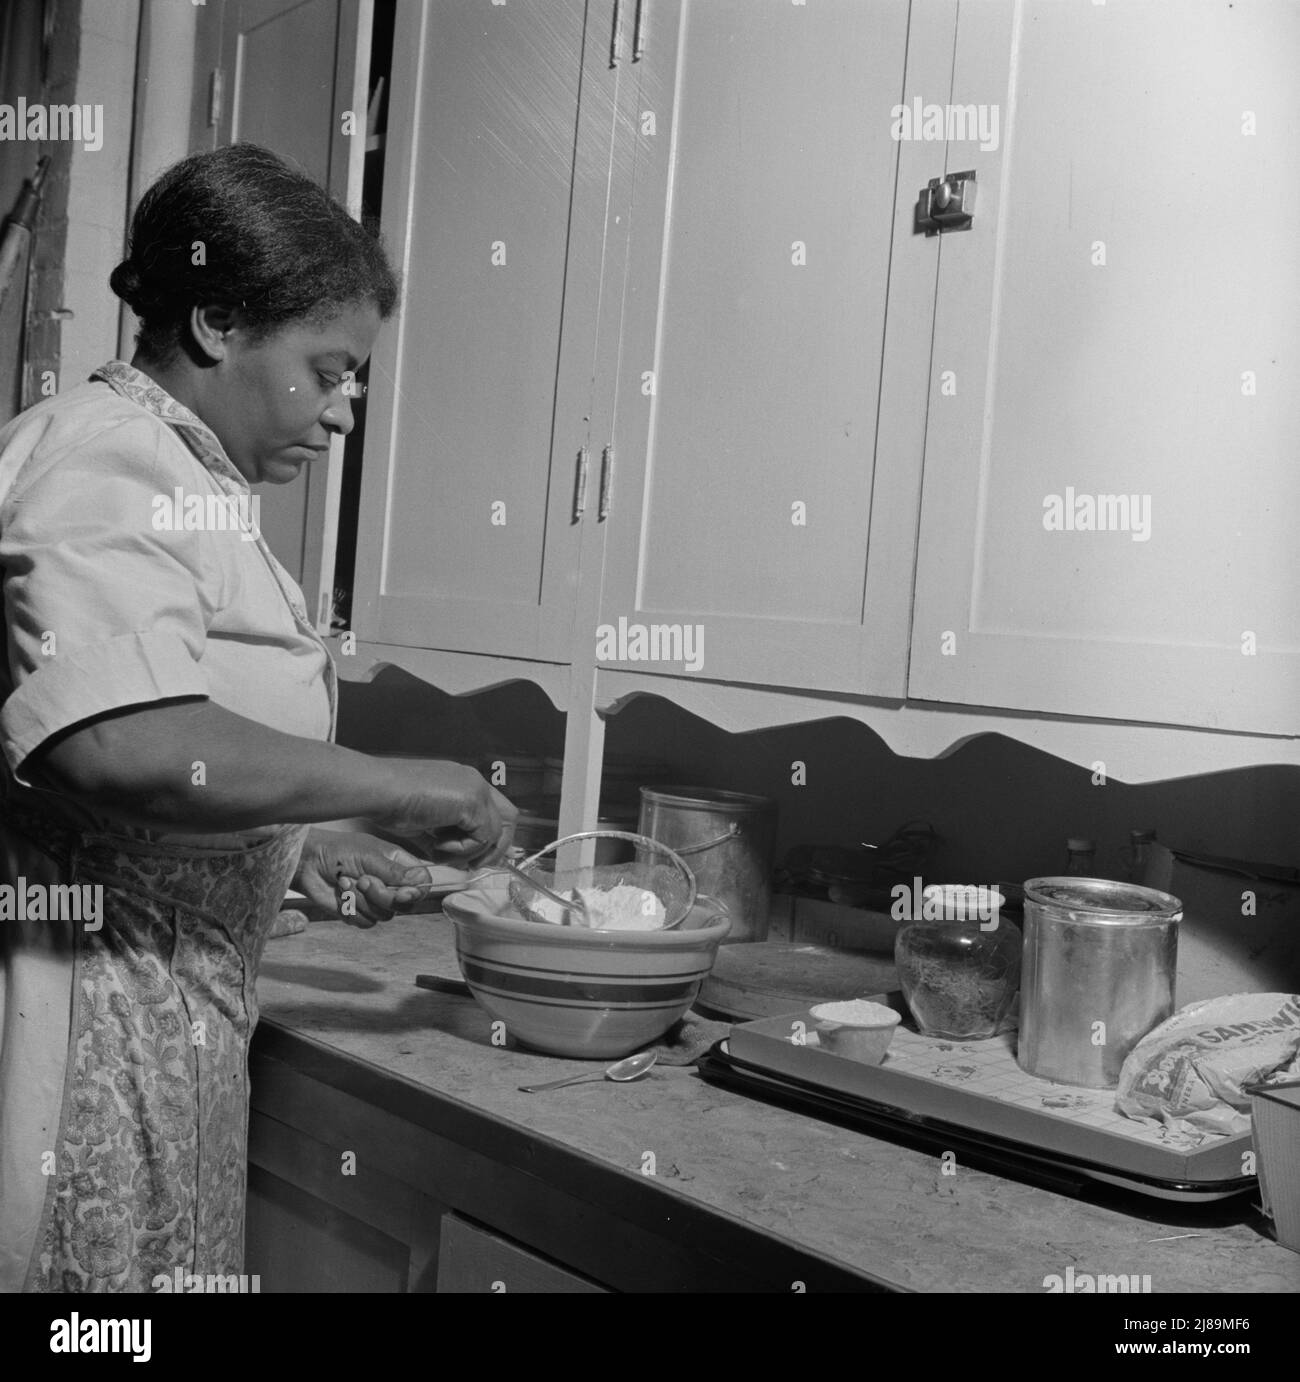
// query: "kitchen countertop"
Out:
[873,1206]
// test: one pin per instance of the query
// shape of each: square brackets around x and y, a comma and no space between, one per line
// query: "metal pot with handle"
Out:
[727,839]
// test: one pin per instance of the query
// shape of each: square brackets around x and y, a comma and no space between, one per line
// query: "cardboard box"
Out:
[1275,1128]
[1240,931]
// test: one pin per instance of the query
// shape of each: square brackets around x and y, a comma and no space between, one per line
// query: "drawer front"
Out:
[471,1259]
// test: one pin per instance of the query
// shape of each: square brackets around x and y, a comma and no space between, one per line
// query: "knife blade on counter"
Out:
[438,984]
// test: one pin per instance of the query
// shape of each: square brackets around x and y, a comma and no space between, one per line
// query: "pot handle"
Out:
[722,839]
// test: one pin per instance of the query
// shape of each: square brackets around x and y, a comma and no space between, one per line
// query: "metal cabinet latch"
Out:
[947,203]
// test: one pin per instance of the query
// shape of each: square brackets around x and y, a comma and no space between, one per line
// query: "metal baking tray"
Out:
[975,1091]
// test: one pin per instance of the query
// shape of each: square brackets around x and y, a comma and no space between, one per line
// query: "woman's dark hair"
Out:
[240,228]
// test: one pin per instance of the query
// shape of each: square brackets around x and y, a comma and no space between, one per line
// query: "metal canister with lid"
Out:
[1098,968]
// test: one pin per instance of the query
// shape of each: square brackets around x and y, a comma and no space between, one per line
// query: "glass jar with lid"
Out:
[959,963]
[1081,855]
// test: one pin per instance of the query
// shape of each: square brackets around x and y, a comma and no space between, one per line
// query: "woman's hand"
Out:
[380,877]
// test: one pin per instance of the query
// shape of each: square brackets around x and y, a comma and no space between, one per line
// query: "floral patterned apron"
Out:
[151,1154]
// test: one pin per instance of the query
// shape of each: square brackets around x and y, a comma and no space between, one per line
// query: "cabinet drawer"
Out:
[472,1259]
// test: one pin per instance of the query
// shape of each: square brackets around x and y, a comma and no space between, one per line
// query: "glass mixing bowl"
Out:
[656,879]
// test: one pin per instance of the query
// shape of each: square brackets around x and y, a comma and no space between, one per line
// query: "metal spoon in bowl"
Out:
[570,904]
[621,1072]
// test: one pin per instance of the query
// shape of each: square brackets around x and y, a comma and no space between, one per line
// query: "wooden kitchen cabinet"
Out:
[496,181]
[1120,320]
[760,493]
[693,295]
[361,1180]
[815,436]
[746,383]
[302,1242]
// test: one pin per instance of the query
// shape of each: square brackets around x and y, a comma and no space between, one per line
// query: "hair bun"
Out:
[126,282]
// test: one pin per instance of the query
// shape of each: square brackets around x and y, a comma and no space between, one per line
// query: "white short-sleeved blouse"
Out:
[108,604]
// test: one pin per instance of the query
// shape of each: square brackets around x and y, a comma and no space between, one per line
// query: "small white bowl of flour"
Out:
[859,1029]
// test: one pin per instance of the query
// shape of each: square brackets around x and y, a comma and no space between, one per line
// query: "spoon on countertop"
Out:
[621,1072]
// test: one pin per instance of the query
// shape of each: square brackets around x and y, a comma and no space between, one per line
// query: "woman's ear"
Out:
[209,327]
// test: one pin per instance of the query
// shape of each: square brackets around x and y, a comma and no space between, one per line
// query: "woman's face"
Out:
[274,403]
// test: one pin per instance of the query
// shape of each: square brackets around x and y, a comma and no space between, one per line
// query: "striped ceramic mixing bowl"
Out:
[570,991]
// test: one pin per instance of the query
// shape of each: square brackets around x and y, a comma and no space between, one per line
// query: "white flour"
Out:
[624,907]
[858,1013]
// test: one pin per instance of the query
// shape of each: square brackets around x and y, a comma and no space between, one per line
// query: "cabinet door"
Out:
[298,118]
[1108,518]
[749,503]
[496,179]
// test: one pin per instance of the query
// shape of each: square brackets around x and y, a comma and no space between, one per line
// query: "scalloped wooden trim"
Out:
[1131,752]
[456,674]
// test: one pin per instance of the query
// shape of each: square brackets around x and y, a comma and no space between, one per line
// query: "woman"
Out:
[166,722]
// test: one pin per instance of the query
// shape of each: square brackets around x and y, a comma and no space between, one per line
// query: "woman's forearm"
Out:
[195,766]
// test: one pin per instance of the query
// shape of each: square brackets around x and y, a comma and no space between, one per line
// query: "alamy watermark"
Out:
[626,642]
[78,1335]
[1098,513]
[945,902]
[180,1282]
[24,901]
[41,124]
[180,512]
[1089,1283]
[948,122]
